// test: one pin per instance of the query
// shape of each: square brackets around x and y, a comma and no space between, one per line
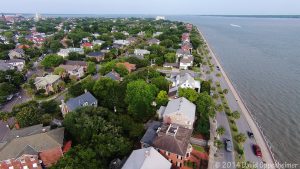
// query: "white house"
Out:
[74,70]
[184,81]
[122,42]
[186,62]
[160,18]
[17,63]
[12,63]
[141,52]
[98,42]
[157,34]
[65,52]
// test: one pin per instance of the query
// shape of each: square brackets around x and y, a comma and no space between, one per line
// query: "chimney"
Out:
[85,91]
[147,153]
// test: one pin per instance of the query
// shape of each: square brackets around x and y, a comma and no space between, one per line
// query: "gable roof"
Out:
[77,63]
[187,59]
[113,75]
[181,106]
[182,52]
[48,79]
[96,54]
[20,51]
[14,61]
[150,134]
[70,68]
[130,67]
[153,41]
[146,158]
[5,66]
[79,101]
[38,142]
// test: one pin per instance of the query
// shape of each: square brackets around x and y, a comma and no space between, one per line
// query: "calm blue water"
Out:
[262,58]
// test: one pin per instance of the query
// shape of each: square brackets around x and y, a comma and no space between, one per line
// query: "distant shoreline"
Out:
[259,137]
[153,15]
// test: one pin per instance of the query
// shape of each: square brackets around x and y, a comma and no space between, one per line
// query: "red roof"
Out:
[31,161]
[130,67]
[51,156]
[87,44]
[67,146]
[23,47]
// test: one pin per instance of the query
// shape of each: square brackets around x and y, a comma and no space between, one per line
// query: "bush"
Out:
[234,128]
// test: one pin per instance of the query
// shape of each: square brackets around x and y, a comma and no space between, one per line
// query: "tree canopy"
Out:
[139,96]
[52,60]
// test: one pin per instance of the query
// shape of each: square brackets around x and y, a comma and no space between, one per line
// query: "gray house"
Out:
[146,158]
[113,75]
[179,111]
[86,99]
[16,53]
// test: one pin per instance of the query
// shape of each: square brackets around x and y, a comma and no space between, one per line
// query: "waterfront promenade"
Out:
[246,121]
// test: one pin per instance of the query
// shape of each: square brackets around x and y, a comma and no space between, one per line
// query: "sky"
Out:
[163,7]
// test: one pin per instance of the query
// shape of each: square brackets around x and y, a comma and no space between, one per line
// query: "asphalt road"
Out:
[241,123]
[23,97]
[224,158]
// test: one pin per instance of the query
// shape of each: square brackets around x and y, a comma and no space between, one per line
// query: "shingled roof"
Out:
[169,137]
[79,101]
[37,142]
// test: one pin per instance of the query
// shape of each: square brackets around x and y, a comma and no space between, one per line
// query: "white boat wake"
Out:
[233,25]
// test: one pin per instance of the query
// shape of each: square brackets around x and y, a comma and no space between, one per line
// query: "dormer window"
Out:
[85,104]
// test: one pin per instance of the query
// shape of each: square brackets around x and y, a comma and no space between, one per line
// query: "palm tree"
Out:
[220,131]
[219,144]
[225,91]
[236,115]
[240,138]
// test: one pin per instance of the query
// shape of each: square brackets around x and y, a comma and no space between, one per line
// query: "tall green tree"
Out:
[188,93]
[162,98]
[139,96]
[107,92]
[161,83]
[205,87]
[91,68]
[28,114]
[51,61]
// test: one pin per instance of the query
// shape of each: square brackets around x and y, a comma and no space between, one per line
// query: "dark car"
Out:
[250,134]
[228,145]
[257,150]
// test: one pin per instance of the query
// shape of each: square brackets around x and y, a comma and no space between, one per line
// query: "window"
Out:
[167,153]
[178,164]
[179,157]
[187,155]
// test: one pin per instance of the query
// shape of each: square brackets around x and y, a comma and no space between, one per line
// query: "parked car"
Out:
[257,150]
[9,97]
[228,145]
[250,134]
